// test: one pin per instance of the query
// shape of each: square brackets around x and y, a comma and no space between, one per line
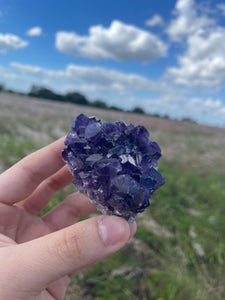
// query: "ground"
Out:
[179,249]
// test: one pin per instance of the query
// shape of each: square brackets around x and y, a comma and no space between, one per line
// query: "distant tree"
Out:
[113,107]
[2,87]
[72,97]
[42,92]
[10,91]
[34,90]
[99,104]
[138,110]
[156,115]
[76,98]
[186,119]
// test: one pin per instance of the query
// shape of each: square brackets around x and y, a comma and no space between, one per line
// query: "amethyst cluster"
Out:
[114,164]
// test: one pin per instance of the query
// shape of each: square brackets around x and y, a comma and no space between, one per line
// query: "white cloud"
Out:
[11,42]
[155,20]
[187,20]
[203,63]
[207,111]
[34,31]
[120,42]
[98,77]
[221,7]
[6,74]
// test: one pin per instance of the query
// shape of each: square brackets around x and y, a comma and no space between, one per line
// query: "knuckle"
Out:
[73,206]
[70,248]
[53,183]
[32,175]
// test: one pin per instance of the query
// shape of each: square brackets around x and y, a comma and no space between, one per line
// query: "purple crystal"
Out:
[114,164]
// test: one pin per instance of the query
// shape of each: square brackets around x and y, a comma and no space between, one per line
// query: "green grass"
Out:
[13,148]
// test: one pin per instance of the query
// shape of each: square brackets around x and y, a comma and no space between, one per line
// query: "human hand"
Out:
[39,255]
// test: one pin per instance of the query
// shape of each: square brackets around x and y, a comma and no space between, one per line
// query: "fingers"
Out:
[69,211]
[6,241]
[20,181]
[58,288]
[37,201]
[68,251]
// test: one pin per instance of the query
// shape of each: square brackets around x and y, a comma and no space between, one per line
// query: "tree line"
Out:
[79,99]
[75,98]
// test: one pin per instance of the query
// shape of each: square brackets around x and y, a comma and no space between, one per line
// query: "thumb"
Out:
[70,250]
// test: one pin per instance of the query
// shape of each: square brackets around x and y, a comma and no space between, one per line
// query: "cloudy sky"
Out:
[165,56]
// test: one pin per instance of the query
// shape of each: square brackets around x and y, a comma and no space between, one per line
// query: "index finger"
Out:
[21,180]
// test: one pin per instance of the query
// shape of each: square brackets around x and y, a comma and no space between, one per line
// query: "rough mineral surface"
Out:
[114,164]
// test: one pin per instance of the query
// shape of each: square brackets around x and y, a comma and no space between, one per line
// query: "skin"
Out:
[39,255]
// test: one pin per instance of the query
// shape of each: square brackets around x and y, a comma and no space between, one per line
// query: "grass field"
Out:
[178,252]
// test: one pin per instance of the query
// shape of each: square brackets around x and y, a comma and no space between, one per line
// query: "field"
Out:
[178,252]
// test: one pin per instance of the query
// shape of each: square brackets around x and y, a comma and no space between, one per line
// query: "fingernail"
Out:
[113,230]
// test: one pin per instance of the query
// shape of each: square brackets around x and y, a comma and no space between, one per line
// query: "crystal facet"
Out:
[114,164]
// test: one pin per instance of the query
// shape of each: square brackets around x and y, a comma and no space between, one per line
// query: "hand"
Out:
[39,255]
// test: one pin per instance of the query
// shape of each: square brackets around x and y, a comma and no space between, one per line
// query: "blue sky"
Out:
[165,56]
